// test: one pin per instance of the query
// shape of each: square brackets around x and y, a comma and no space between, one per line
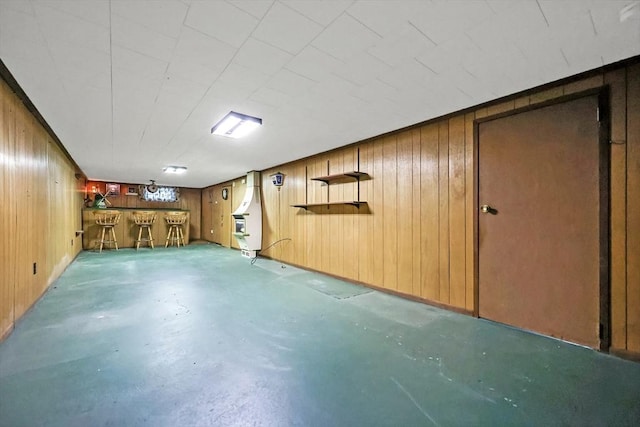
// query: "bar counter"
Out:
[127,230]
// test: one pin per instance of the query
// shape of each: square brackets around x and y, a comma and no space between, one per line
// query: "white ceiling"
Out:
[132,86]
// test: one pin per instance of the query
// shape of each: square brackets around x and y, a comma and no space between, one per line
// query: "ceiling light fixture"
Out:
[236,125]
[175,169]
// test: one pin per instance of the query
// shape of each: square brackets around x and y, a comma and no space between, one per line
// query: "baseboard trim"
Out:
[634,356]
[384,290]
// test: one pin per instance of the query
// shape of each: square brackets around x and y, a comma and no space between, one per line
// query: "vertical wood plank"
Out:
[457,260]
[270,220]
[633,208]
[378,214]
[429,211]
[313,220]
[206,200]
[390,170]
[7,213]
[443,199]
[404,213]
[470,212]
[351,242]
[416,245]
[322,169]
[300,238]
[616,81]
[23,263]
[365,219]
[334,220]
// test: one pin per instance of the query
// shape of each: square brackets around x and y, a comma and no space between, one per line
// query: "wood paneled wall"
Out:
[40,212]
[190,199]
[416,234]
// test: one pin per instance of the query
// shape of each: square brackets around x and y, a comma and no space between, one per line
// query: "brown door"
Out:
[225,218]
[539,234]
[221,217]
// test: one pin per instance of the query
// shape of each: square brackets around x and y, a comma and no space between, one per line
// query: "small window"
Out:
[162,194]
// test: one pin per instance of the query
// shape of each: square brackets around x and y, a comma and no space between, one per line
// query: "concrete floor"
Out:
[198,336]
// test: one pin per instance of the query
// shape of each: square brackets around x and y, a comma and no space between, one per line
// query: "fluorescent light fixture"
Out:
[175,169]
[236,125]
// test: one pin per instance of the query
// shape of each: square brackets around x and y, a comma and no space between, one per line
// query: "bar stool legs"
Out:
[107,220]
[175,220]
[175,235]
[144,220]
[149,237]
[109,239]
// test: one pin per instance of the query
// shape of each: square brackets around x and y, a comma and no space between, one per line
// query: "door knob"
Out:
[488,209]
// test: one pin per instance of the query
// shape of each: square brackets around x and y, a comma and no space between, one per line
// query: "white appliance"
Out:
[247,219]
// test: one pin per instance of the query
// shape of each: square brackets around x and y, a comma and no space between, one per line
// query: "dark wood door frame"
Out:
[604,217]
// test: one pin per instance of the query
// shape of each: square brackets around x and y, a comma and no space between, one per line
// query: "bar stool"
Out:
[144,220]
[107,220]
[175,220]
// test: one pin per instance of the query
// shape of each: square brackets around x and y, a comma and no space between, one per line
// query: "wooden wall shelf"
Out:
[347,176]
[311,205]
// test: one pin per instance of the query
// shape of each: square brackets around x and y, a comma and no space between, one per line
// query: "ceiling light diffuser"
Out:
[175,169]
[236,125]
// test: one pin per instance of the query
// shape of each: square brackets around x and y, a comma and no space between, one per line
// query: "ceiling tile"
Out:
[278,25]
[517,20]
[164,17]
[313,63]
[376,91]
[345,37]
[290,83]
[270,97]
[181,94]
[323,12]
[386,17]
[256,8]
[242,79]
[362,68]
[96,12]
[162,125]
[80,66]
[16,26]
[141,39]
[56,25]
[222,21]
[27,50]
[397,47]
[407,74]
[261,56]
[193,56]
[448,54]
[17,6]
[141,65]
[444,20]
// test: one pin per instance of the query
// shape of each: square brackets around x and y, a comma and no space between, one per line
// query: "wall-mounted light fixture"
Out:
[236,125]
[277,179]
[175,169]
